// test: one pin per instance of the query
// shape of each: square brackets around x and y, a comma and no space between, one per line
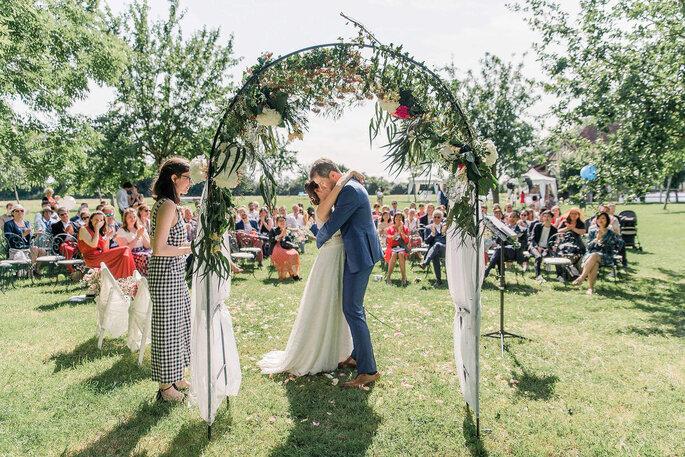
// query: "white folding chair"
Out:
[112,307]
[139,320]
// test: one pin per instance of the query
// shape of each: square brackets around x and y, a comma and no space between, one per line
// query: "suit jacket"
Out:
[537,233]
[438,238]
[352,216]
[240,225]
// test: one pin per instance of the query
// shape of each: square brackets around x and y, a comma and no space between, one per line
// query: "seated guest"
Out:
[383,224]
[65,230]
[510,252]
[77,216]
[8,215]
[421,212]
[442,196]
[84,214]
[539,242]
[497,212]
[246,233]
[144,216]
[112,225]
[601,245]
[253,214]
[376,213]
[264,222]
[557,219]
[48,198]
[17,231]
[93,242]
[284,255]
[135,199]
[394,209]
[191,224]
[412,224]
[427,218]
[397,246]
[43,220]
[436,237]
[133,235]
[574,226]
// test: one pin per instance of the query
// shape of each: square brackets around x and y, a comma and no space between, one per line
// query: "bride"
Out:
[320,337]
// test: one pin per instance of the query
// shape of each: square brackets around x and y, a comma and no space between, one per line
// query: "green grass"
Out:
[601,375]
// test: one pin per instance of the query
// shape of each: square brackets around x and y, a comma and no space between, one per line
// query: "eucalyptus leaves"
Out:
[423,123]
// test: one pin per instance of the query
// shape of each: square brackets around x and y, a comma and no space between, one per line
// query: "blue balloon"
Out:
[588,172]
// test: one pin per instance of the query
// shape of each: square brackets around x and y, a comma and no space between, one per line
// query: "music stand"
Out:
[503,234]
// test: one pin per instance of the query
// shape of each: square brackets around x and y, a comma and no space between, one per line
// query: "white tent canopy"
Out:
[542,181]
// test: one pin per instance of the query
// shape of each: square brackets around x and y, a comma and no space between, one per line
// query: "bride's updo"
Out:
[310,187]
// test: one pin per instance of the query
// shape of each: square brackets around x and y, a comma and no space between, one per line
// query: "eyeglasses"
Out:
[109,215]
[85,218]
[145,210]
[187,177]
[437,217]
[18,211]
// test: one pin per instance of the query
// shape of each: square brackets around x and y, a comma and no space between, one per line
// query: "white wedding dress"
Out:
[320,337]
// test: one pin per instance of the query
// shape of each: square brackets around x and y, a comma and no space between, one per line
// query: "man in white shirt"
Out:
[540,243]
[253,214]
[122,197]
[292,222]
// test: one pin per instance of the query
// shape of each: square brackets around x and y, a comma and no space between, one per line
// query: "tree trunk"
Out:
[495,191]
[668,190]
[16,194]
[99,194]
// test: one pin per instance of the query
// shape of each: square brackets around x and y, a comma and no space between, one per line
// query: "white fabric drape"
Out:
[464,281]
[225,376]
[139,319]
[112,306]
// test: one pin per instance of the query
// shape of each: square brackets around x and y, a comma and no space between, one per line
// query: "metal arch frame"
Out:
[438,84]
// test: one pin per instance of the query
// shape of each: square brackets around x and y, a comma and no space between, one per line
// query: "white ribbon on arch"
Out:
[465,263]
[212,382]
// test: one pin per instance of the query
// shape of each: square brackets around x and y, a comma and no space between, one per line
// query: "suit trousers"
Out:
[434,254]
[354,289]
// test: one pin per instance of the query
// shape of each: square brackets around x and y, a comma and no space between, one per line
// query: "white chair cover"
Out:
[225,373]
[112,306]
[139,319]
[465,288]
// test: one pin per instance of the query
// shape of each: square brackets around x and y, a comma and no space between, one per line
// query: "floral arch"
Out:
[424,123]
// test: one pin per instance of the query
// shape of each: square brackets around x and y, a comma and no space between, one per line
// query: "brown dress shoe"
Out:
[362,380]
[348,363]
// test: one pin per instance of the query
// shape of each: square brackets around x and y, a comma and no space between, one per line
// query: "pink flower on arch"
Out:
[402,112]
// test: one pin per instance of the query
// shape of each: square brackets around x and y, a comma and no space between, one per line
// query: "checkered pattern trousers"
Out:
[170,309]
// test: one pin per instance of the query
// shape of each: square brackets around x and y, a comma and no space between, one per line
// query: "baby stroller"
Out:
[565,246]
[628,221]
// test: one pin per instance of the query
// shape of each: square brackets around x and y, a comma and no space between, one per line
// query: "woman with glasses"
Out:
[166,277]
[18,233]
[133,234]
[94,246]
[144,216]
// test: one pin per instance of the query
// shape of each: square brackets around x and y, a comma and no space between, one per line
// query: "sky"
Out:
[434,31]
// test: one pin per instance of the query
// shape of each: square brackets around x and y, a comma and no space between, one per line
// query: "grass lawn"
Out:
[600,376]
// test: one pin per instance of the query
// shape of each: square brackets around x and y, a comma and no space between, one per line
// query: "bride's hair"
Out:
[310,187]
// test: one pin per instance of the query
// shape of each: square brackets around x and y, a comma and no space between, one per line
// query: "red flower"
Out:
[402,112]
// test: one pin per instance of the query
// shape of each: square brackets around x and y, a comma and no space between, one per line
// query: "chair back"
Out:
[112,305]
[44,241]
[139,317]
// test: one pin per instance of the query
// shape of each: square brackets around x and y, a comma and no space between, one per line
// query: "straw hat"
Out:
[18,207]
[581,214]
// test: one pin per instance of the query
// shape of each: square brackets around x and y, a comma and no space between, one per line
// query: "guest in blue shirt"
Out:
[435,236]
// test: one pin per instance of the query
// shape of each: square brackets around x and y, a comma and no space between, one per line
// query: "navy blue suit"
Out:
[352,216]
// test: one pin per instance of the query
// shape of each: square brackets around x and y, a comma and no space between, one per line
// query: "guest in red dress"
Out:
[93,242]
[398,234]
[284,257]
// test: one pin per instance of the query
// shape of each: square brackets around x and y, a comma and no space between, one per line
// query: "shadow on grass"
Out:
[349,430]
[124,372]
[87,352]
[662,301]
[472,441]
[531,385]
[191,439]
[122,439]
[61,303]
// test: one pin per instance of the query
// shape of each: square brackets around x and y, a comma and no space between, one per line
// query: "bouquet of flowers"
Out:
[93,281]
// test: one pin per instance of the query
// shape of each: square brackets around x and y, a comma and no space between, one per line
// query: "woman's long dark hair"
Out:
[310,187]
[608,219]
[89,224]
[163,187]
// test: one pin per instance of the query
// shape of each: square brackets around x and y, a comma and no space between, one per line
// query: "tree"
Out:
[619,63]
[170,94]
[49,51]
[497,101]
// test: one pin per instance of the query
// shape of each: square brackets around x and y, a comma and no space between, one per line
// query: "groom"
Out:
[352,215]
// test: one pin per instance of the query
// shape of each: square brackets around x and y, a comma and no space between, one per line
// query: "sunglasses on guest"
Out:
[109,215]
